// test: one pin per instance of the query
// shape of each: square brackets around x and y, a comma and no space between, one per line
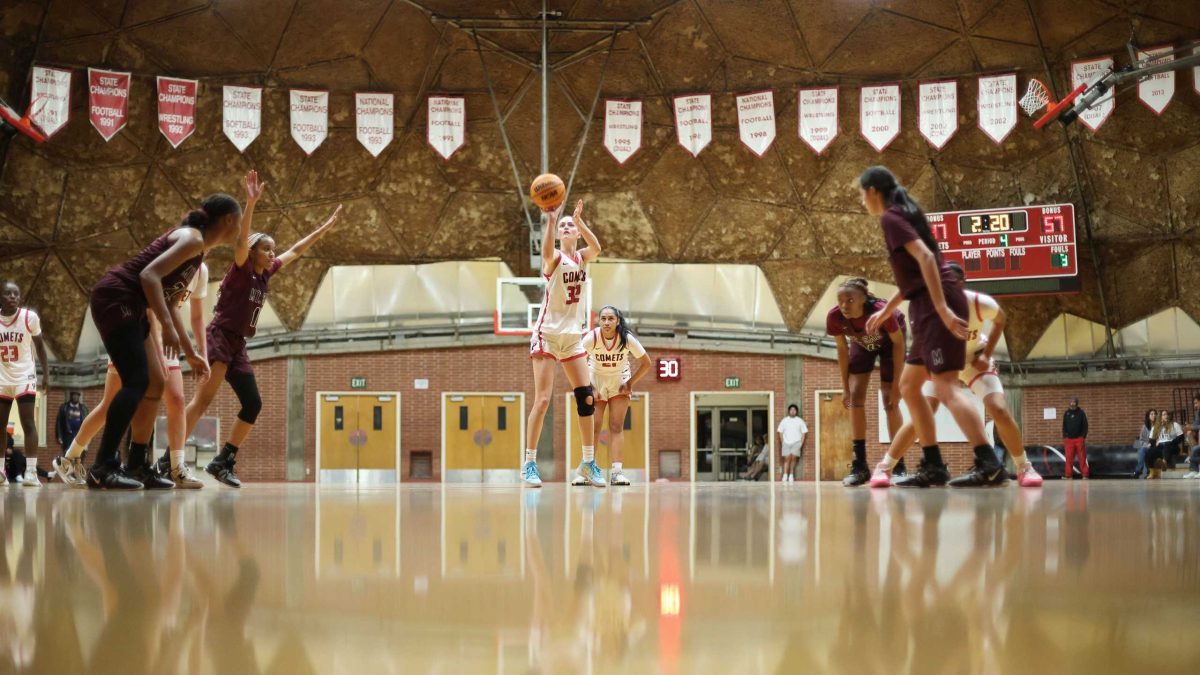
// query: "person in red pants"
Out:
[1075,430]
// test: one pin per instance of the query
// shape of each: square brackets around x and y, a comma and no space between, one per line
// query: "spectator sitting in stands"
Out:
[1169,436]
[1145,442]
[762,457]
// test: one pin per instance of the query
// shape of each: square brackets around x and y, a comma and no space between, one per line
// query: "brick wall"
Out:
[1114,410]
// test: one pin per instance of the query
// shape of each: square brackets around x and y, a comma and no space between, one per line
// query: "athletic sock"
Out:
[228,452]
[76,450]
[986,455]
[176,459]
[933,455]
[137,455]
[589,453]
[530,454]
[890,461]
[860,450]
[616,466]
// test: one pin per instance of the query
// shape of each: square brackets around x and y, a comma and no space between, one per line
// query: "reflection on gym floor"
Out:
[1085,577]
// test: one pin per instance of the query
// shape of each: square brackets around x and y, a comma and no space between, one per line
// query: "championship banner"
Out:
[879,115]
[622,128]
[176,108]
[242,115]
[1087,72]
[818,115]
[998,106]
[374,118]
[937,111]
[108,101]
[50,98]
[693,122]
[310,118]
[447,127]
[756,120]
[1157,91]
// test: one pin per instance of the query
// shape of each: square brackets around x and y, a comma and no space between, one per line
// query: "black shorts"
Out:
[862,361]
[933,345]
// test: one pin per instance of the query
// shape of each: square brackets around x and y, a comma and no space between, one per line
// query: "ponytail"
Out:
[884,182]
[623,331]
[213,208]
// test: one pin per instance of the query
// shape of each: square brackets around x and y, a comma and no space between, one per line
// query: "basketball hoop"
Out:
[23,124]
[1037,96]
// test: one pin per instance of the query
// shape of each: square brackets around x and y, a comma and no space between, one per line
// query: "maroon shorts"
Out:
[863,361]
[933,345]
[228,348]
[115,308]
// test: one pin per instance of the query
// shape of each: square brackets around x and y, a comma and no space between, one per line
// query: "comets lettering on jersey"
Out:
[12,337]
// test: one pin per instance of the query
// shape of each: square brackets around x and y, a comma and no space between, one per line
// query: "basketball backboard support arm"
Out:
[1115,78]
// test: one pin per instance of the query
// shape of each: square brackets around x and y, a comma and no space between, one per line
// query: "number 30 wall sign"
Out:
[669,369]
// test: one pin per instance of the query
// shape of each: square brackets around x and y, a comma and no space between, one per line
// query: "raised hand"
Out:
[332,219]
[578,211]
[254,189]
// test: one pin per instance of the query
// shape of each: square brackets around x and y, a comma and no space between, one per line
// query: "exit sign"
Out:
[358,383]
[733,383]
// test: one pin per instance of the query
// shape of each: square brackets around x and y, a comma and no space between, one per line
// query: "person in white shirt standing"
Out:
[792,432]
[20,338]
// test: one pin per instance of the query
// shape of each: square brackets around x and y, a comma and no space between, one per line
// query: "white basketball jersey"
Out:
[16,347]
[608,358]
[982,308]
[564,305]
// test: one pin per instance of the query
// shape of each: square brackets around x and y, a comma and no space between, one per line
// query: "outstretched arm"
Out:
[254,190]
[875,321]
[548,250]
[301,246]
[592,250]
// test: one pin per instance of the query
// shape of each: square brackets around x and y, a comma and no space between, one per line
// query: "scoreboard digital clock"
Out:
[1023,250]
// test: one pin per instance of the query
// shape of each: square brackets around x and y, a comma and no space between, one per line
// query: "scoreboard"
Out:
[1022,250]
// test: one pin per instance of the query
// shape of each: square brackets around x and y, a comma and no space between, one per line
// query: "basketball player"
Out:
[70,467]
[557,337]
[20,339]
[982,379]
[857,352]
[936,309]
[240,299]
[609,349]
[153,280]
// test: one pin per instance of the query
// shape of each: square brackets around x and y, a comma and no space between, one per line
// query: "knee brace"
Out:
[584,402]
[246,388]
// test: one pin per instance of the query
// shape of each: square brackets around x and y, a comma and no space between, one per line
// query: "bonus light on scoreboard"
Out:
[1022,250]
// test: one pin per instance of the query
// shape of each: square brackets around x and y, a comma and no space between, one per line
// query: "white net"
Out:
[1036,97]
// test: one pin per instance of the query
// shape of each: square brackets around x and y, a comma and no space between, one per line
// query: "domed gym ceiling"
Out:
[75,205]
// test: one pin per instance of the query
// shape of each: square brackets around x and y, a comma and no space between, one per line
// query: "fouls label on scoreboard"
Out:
[1020,242]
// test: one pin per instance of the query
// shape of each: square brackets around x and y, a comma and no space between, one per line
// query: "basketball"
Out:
[547,191]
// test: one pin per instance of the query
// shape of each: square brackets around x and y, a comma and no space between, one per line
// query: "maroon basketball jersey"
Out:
[855,330]
[898,231]
[175,283]
[241,297]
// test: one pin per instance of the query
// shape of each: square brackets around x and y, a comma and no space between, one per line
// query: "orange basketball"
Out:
[547,191]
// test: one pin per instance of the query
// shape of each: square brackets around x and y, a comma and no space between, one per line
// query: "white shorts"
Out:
[982,384]
[9,392]
[791,449]
[608,388]
[560,346]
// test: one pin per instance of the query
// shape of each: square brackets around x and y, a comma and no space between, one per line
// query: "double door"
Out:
[724,437]
[482,437]
[358,438]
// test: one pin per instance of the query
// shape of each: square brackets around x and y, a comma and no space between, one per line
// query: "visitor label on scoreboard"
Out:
[310,118]
[756,120]
[818,115]
[693,122]
[108,101]
[176,108]
[937,111]
[51,98]
[998,106]
[447,128]
[1158,90]
[1087,72]
[622,128]
[241,115]
[374,117]
[879,114]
